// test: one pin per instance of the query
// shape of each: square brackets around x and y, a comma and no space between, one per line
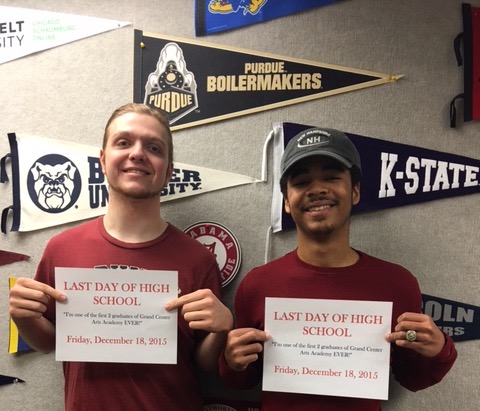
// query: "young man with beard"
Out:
[137,159]
[320,183]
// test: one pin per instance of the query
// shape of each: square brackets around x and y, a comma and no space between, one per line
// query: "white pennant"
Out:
[26,31]
[60,182]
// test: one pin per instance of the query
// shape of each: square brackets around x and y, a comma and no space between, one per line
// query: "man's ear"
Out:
[356,194]
[102,161]
[169,174]
[286,205]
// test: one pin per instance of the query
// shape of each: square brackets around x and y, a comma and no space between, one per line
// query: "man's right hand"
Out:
[243,347]
[29,298]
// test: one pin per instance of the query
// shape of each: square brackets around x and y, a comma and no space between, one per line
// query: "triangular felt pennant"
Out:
[195,83]
[15,341]
[213,16]
[188,180]
[56,182]
[460,321]
[27,31]
[470,39]
[7,257]
[5,379]
[397,174]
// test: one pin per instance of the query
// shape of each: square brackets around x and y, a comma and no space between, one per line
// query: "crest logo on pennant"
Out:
[171,87]
[54,183]
[222,243]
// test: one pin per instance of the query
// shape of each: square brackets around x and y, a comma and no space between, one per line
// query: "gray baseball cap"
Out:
[321,142]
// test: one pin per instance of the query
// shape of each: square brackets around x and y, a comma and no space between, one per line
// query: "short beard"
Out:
[135,195]
[322,232]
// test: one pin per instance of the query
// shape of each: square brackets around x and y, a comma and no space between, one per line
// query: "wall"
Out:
[68,93]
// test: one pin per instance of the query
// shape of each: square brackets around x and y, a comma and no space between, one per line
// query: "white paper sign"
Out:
[327,347]
[116,316]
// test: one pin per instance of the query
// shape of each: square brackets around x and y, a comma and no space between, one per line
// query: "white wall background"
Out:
[68,93]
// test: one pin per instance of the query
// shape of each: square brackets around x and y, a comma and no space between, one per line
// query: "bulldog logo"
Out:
[54,183]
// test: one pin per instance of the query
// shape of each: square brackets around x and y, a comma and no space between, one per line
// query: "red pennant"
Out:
[470,39]
[7,257]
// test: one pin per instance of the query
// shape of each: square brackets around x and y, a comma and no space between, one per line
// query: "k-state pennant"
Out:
[395,174]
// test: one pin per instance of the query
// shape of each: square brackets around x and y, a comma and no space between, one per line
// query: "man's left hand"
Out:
[203,311]
[429,339]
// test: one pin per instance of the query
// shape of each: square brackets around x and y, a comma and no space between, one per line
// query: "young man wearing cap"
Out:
[320,182]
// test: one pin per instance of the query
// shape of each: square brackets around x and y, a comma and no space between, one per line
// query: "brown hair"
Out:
[148,111]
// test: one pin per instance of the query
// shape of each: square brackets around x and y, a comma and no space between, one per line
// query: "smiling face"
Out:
[135,159]
[320,197]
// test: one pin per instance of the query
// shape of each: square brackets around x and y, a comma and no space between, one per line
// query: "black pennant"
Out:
[195,83]
[5,379]
[459,320]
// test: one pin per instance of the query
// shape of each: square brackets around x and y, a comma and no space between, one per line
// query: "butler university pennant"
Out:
[55,182]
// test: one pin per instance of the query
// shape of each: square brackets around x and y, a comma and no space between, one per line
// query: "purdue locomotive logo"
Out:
[222,243]
[54,183]
[171,88]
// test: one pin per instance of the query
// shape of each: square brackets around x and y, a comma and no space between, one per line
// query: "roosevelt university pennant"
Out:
[55,182]
[27,31]
[194,83]
[396,174]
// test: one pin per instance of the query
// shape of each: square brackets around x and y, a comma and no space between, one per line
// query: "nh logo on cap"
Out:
[317,139]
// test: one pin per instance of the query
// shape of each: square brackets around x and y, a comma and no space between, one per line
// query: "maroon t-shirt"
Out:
[369,279]
[92,386]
